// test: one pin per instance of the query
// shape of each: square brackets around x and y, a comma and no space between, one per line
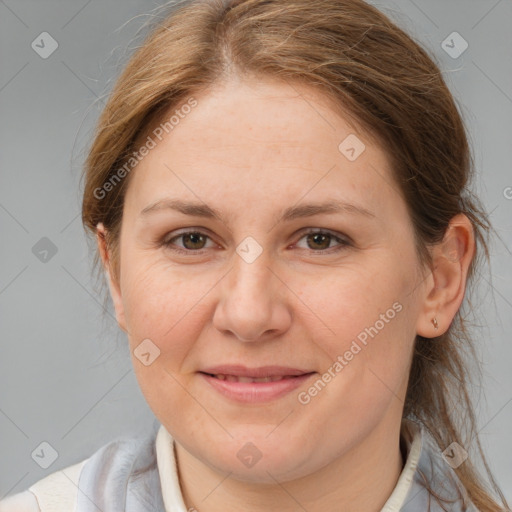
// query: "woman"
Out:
[279,194]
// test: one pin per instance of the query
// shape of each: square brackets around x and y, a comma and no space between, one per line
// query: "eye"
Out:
[196,241]
[319,240]
[192,241]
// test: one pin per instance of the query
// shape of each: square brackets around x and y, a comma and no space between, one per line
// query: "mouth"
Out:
[239,378]
[254,385]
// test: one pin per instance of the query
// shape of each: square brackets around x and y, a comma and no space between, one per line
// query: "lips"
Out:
[250,385]
[254,373]
[240,378]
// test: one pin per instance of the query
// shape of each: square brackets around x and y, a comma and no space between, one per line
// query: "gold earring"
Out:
[434,322]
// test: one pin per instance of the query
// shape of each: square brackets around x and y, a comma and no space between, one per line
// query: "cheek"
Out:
[165,306]
[366,335]
[366,360]
[165,309]
[356,304]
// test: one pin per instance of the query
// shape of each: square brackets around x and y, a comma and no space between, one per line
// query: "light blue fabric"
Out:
[123,476]
[441,478]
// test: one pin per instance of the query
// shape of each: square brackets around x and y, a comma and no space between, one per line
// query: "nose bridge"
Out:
[251,303]
[251,276]
[251,281]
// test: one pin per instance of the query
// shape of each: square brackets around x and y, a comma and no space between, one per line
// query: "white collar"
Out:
[411,434]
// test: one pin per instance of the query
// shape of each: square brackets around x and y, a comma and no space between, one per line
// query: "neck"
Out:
[359,481]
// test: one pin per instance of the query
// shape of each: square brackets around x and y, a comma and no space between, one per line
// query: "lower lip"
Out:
[255,392]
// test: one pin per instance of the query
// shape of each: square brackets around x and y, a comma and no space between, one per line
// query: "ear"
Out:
[447,284]
[114,286]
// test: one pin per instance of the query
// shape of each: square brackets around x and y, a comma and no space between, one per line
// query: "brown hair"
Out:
[364,63]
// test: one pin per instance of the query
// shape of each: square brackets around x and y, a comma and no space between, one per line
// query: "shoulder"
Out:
[125,472]
[112,465]
[55,493]
[22,502]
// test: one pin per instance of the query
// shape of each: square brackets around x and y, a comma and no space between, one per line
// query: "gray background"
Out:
[65,371]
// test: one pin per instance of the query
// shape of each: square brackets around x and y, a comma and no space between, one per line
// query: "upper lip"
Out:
[261,371]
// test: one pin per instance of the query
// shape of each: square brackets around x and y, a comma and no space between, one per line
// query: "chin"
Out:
[258,459]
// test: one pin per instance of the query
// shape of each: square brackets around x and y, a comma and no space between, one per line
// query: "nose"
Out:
[253,305]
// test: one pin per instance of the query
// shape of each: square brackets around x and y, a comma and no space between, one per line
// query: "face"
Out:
[261,280]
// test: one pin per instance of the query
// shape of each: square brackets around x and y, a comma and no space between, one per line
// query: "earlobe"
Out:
[444,295]
[114,286]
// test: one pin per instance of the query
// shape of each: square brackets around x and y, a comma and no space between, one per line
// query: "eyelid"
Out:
[342,239]
[166,241]
[340,236]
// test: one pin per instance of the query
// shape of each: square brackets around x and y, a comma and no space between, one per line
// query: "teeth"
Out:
[235,378]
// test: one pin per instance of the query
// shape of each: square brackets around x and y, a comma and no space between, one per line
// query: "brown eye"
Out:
[319,241]
[187,242]
[193,241]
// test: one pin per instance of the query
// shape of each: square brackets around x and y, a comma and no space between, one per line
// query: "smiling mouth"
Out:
[254,385]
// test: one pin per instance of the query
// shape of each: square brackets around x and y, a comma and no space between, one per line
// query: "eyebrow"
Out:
[291,213]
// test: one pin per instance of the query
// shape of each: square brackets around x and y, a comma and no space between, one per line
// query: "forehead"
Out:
[263,142]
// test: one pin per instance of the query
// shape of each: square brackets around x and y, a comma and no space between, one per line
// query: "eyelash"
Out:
[344,242]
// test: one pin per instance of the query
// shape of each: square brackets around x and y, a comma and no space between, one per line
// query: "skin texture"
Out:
[250,149]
